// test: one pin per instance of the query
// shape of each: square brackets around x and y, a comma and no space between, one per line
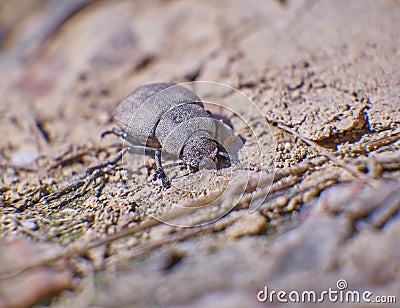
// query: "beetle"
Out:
[172,118]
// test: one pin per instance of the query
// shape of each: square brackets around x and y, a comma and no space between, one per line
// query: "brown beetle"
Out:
[172,118]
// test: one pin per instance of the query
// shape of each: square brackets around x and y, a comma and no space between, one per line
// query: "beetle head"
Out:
[200,152]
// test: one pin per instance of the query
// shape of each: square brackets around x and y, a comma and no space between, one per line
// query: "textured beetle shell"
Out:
[140,112]
[182,123]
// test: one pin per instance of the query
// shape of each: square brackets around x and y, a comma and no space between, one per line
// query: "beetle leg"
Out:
[113,162]
[141,150]
[160,174]
[114,131]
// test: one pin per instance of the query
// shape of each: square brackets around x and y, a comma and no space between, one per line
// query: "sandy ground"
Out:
[329,70]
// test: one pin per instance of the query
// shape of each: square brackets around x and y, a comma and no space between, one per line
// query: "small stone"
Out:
[288,146]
